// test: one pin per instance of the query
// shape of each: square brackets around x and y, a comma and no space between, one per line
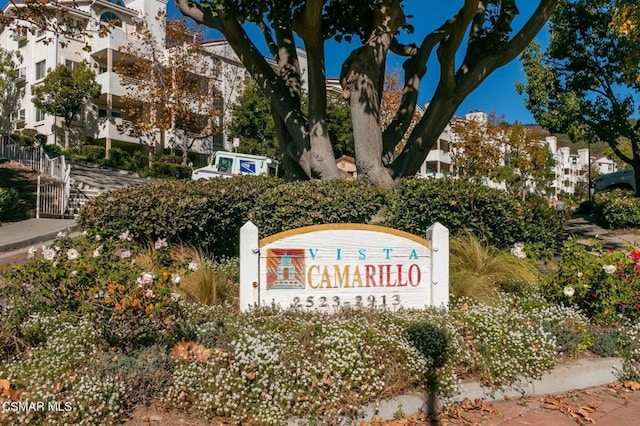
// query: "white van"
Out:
[229,164]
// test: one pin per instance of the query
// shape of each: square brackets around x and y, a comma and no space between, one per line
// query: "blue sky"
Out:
[497,93]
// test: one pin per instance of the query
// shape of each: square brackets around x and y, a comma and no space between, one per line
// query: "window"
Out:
[70,64]
[116,114]
[102,113]
[225,164]
[41,70]
[73,27]
[112,18]
[39,115]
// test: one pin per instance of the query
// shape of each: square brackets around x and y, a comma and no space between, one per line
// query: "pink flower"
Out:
[161,243]
[146,278]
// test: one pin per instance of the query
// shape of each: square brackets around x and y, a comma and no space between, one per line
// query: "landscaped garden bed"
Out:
[120,317]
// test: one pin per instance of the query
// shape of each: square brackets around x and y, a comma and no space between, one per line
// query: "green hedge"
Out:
[93,153]
[205,214]
[493,216]
[296,204]
[616,209]
[117,157]
[209,214]
[170,170]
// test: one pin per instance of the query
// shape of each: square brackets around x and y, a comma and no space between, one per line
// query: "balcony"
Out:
[19,35]
[108,129]
[439,156]
[117,37]
[18,117]
[21,76]
[110,83]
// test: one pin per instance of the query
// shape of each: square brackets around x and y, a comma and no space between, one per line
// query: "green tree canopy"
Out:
[580,85]
[252,122]
[8,90]
[65,92]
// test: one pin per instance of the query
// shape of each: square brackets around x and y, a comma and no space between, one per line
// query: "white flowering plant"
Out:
[110,331]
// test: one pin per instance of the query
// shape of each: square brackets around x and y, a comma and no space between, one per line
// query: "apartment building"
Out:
[103,121]
[570,169]
[41,52]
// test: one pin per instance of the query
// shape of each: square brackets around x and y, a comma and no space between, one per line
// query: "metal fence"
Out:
[54,188]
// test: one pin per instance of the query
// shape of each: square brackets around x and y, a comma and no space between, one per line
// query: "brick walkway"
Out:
[613,405]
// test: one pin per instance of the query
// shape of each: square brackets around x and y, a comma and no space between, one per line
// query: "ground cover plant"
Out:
[108,308]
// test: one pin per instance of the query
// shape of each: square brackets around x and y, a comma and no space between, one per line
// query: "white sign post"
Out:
[326,267]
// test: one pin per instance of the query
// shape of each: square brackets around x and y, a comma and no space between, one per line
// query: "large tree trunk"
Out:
[292,168]
[309,26]
[367,135]
[362,79]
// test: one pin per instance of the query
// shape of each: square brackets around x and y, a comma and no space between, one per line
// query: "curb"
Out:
[573,375]
[48,236]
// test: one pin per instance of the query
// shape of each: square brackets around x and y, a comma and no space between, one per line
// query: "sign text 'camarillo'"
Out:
[328,266]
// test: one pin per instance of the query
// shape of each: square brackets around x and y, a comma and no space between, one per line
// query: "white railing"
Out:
[53,190]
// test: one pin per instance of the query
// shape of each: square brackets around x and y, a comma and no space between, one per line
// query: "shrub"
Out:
[131,306]
[296,204]
[10,205]
[93,153]
[170,170]
[171,159]
[28,137]
[53,150]
[204,214]
[137,162]
[117,157]
[606,285]
[618,208]
[493,216]
[585,207]
[209,214]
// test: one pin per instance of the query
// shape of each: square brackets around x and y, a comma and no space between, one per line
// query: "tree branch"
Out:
[415,68]
[268,38]
[449,46]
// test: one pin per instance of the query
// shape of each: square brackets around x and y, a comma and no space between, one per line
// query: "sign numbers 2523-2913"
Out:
[335,301]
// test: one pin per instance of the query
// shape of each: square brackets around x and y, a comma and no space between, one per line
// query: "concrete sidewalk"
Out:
[19,235]
[586,231]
